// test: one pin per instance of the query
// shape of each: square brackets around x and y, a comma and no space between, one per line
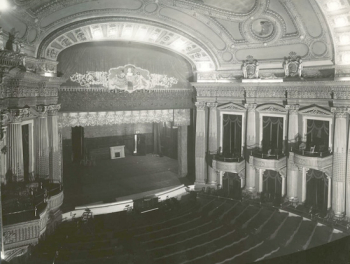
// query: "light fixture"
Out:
[344,39]
[98,34]
[141,33]
[178,44]
[4,5]
[333,5]
[346,58]
[341,21]
[205,66]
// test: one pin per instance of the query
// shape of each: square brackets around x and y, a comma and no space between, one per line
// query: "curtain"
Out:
[232,135]
[78,143]
[317,190]
[272,134]
[317,135]
[157,138]
[232,185]
[272,186]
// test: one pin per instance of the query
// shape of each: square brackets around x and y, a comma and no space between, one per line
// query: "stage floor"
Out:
[111,179]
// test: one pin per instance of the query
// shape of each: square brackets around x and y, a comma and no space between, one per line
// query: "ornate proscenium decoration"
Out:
[293,65]
[250,68]
[127,78]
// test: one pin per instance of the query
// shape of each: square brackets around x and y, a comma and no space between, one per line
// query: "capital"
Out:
[212,105]
[200,105]
[53,109]
[250,107]
[340,112]
[15,115]
[42,110]
[293,109]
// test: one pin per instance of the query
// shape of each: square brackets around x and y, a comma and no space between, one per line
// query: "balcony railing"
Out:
[273,156]
[311,153]
[220,157]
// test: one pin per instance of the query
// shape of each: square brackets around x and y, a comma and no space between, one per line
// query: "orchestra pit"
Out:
[177,132]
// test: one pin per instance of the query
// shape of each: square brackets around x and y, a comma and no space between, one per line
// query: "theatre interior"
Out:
[174,131]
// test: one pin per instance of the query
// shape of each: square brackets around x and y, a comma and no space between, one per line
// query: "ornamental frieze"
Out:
[269,164]
[235,167]
[127,78]
[317,163]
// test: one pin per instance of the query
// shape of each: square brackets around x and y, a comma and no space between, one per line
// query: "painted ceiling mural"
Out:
[212,35]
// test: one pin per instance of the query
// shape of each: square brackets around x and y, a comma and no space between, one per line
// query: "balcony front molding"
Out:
[316,163]
[234,167]
[268,164]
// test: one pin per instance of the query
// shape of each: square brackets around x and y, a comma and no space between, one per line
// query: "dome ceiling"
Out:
[211,34]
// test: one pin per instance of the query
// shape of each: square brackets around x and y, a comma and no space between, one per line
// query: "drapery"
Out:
[317,190]
[317,135]
[272,134]
[272,186]
[165,139]
[78,143]
[232,185]
[232,135]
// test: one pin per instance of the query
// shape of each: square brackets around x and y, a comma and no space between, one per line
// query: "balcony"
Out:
[227,163]
[268,161]
[312,160]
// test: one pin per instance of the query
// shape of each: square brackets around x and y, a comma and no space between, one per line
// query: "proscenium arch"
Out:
[128,29]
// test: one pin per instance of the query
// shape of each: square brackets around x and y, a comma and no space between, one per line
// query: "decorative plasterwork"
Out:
[315,111]
[218,91]
[180,117]
[232,107]
[316,163]
[118,29]
[234,167]
[271,108]
[268,164]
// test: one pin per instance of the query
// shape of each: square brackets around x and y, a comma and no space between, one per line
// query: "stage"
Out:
[112,179]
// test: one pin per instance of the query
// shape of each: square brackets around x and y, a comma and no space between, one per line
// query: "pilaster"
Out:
[15,146]
[213,140]
[42,143]
[55,172]
[292,170]
[339,160]
[201,144]
[250,143]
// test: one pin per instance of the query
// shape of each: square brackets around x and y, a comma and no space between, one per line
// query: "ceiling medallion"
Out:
[263,28]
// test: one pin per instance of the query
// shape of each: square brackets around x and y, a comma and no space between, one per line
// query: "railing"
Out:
[261,155]
[219,157]
[309,153]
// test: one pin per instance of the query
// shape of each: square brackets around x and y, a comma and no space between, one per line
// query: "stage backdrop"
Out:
[102,56]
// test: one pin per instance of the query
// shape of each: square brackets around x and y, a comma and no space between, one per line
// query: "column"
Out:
[42,143]
[283,185]
[329,200]
[3,154]
[201,143]
[55,173]
[213,140]
[261,180]
[292,170]
[182,150]
[348,177]
[303,195]
[15,146]
[250,143]
[339,160]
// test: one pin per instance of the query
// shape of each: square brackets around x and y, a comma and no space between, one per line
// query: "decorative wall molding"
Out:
[232,107]
[180,117]
[271,108]
[315,110]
